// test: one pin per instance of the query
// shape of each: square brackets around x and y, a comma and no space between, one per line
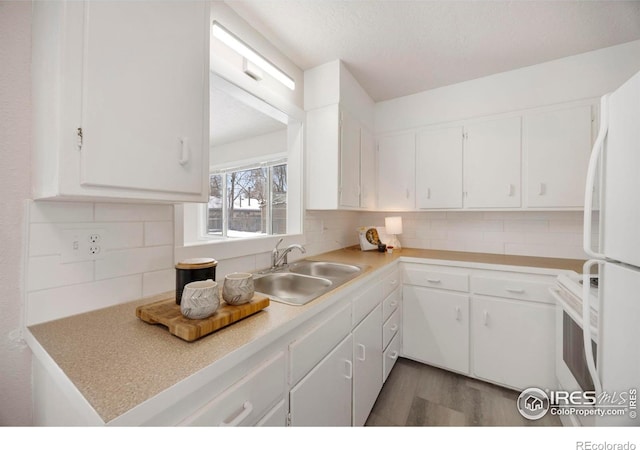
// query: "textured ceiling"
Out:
[397,48]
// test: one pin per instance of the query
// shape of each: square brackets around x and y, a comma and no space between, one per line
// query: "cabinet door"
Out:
[349,161]
[367,170]
[396,172]
[145,95]
[435,327]
[367,365]
[492,164]
[556,146]
[439,168]
[323,397]
[513,342]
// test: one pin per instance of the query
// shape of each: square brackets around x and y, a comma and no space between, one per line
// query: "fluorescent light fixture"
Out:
[244,50]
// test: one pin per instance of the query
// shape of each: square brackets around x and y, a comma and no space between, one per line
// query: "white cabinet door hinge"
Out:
[80,137]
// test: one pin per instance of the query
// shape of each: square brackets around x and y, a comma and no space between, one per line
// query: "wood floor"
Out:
[416,394]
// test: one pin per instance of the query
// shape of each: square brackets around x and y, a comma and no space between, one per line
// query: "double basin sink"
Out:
[303,281]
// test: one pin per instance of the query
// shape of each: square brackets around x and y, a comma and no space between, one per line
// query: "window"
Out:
[246,202]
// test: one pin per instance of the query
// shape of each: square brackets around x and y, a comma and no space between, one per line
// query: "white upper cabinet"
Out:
[556,149]
[339,143]
[439,168]
[121,101]
[396,172]
[492,164]
[349,161]
[367,170]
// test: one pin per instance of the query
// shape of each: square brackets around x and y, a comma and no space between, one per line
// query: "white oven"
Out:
[572,371]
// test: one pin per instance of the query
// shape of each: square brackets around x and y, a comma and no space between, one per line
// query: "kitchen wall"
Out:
[15,182]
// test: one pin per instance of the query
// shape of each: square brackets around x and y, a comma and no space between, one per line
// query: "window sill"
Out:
[221,249]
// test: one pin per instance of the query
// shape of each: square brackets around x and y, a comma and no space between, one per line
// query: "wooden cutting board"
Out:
[167,312]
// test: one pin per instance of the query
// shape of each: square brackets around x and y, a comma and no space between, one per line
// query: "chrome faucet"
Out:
[279,256]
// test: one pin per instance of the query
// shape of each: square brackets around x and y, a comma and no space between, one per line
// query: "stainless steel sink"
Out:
[292,288]
[303,281]
[325,269]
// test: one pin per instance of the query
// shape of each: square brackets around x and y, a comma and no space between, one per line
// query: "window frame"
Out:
[269,163]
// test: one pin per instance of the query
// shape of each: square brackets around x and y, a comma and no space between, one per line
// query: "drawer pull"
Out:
[349,364]
[394,327]
[247,408]
[364,352]
[394,355]
[434,280]
[515,291]
[458,314]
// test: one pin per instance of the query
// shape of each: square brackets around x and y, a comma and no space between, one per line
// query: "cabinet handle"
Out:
[510,190]
[428,193]
[458,314]
[394,303]
[514,290]
[350,368]
[407,193]
[247,408]
[364,352]
[184,151]
[394,355]
[486,318]
[434,280]
[393,282]
[542,190]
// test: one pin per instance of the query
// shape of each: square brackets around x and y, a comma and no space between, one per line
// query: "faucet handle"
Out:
[279,242]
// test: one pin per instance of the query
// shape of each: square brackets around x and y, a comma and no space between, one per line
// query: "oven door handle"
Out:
[586,328]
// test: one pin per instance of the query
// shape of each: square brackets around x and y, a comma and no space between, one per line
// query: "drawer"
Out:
[391,327]
[308,350]
[277,417]
[436,277]
[364,303]
[390,356]
[515,287]
[247,401]
[390,304]
[390,282]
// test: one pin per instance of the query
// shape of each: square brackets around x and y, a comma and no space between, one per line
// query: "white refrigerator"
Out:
[616,156]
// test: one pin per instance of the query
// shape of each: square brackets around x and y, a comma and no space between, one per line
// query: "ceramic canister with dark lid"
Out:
[195,269]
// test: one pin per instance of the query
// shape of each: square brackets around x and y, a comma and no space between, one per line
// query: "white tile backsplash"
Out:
[137,246]
[555,234]
[139,249]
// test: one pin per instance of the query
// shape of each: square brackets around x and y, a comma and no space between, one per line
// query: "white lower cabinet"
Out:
[496,325]
[247,401]
[367,365]
[436,327]
[513,342]
[323,396]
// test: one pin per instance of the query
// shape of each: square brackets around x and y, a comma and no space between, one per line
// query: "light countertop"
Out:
[117,361]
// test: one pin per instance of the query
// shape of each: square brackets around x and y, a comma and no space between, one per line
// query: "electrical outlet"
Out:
[82,245]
